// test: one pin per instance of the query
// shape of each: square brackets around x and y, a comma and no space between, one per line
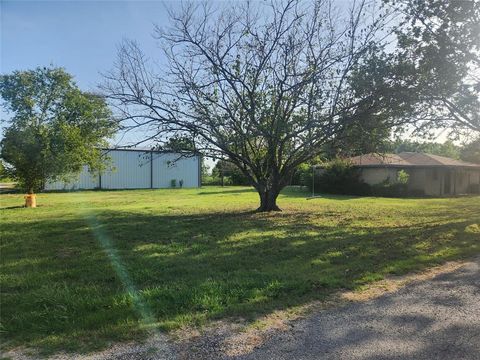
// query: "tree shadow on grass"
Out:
[303,192]
[289,191]
[227,190]
[61,290]
[12,207]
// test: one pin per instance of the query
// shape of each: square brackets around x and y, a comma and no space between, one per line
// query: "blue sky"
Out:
[79,35]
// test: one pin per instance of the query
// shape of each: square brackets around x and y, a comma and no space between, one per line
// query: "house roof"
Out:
[408,159]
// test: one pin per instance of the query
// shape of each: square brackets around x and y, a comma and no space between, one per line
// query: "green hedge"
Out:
[340,177]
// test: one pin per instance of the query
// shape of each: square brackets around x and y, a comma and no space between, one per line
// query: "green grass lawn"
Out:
[85,269]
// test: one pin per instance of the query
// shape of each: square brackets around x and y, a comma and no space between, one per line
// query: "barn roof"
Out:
[148,150]
[408,159]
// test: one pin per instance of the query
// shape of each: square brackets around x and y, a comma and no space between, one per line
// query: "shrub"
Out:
[340,177]
[215,181]
[173,183]
[416,193]
[303,176]
[387,189]
[230,171]
[473,189]
[402,177]
[399,188]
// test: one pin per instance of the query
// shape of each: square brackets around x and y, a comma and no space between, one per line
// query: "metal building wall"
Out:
[135,169]
[129,170]
[85,180]
[170,166]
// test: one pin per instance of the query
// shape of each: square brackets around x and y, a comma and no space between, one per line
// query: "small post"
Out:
[151,169]
[313,180]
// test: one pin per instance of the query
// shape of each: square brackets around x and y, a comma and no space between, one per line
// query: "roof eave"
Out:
[417,166]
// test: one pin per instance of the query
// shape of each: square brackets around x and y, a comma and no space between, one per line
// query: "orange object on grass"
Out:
[31,200]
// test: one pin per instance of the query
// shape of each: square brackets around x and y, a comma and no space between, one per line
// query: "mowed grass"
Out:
[86,269]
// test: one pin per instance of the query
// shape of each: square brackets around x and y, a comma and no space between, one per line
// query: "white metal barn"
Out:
[138,169]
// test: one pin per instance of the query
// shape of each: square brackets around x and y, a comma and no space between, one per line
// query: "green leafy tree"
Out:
[3,173]
[447,149]
[438,44]
[180,144]
[471,151]
[226,169]
[386,105]
[54,128]
[205,169]
[339,177]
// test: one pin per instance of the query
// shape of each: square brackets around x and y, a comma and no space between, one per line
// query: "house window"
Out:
[435,174]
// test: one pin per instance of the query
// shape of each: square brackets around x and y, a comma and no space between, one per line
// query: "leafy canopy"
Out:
[54,128]
[438,42]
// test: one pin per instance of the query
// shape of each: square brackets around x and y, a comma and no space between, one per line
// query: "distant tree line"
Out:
[225,173]
[467,152]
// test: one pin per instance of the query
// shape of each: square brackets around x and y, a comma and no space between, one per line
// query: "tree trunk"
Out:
[268,200]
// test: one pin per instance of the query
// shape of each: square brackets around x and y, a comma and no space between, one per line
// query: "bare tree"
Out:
[262,86]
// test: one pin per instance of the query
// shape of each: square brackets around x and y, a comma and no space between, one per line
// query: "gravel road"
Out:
[435,319]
